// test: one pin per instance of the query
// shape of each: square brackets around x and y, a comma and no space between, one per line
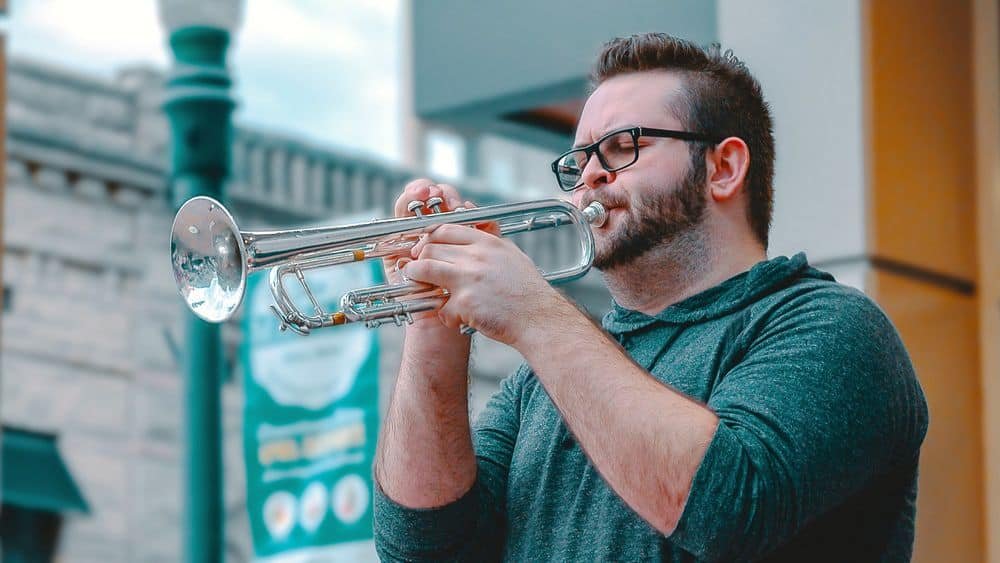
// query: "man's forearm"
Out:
[425,457]
[646,439]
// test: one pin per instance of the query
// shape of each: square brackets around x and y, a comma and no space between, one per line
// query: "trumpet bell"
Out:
[208,257]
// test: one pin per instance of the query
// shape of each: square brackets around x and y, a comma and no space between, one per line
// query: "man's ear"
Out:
[728,164]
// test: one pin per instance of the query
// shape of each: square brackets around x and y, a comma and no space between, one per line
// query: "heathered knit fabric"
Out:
[815,457]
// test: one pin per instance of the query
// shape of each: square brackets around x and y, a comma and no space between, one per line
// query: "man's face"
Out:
[658,197]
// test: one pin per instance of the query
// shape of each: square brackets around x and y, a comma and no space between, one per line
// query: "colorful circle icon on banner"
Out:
[312,507]
[350,498]
[279,514]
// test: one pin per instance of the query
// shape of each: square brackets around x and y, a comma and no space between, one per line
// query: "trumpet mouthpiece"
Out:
[595,213]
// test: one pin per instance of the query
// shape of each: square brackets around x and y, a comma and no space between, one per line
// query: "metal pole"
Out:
[199,107]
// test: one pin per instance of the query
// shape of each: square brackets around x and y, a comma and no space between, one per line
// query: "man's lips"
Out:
[609,204]
[610,210]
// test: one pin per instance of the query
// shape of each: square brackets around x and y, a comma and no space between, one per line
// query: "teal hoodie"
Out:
[815,457]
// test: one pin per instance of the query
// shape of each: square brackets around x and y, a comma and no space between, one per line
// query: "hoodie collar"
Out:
[735,293]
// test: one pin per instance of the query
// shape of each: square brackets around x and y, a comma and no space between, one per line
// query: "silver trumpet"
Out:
[211,258]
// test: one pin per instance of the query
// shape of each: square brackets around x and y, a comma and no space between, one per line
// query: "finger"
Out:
[455,234]
[449,316]
[448,234]
[393,266]
[450,196]
[435,272]
[451,253]
[436,191]
[417,190]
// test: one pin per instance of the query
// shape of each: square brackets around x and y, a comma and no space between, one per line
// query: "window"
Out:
[445,154]
[28,534]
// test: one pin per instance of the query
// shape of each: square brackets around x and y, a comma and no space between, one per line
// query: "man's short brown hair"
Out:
[720,97]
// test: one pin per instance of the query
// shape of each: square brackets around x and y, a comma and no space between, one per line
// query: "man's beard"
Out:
[656,222]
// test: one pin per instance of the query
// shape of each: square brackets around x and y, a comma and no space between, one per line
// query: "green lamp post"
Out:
[199,107]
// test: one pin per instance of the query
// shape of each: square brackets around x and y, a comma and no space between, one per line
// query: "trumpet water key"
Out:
[211,258]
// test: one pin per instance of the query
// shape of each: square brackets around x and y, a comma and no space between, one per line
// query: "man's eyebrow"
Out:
[581,145]
[604,132]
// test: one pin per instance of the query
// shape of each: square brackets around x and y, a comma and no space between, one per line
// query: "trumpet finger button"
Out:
[416,207]
[435,204]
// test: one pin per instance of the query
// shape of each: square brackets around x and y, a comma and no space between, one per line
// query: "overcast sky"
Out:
[325,70]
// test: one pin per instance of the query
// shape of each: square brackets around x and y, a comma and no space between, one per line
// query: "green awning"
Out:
[34,474]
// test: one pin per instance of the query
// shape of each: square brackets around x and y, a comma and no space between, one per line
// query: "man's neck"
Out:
[686,266]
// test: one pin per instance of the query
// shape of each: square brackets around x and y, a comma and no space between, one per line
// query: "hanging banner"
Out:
[310,424]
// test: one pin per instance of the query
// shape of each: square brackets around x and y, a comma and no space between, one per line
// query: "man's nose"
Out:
[594,175]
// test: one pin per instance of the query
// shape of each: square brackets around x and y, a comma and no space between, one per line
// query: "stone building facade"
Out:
[92,322]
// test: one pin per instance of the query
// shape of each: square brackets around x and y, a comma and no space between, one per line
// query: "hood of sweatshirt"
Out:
[763,279]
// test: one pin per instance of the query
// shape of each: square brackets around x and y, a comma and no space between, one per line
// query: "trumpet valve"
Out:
[416,207]
[434,204]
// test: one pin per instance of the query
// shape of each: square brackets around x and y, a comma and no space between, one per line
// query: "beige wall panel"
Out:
[939,328]
[987,73]
[921,133]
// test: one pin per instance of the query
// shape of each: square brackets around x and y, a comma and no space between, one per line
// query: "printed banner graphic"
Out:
[310,424]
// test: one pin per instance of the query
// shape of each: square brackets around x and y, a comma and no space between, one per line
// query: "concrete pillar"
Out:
[413,129]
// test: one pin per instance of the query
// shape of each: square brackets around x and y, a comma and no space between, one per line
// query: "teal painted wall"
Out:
[476,59]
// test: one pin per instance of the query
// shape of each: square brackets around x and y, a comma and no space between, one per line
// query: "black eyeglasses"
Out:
[616,150]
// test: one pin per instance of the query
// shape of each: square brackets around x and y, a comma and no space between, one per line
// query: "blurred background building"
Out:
[888,135]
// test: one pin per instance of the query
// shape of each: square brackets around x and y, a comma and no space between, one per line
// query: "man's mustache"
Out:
[607,200]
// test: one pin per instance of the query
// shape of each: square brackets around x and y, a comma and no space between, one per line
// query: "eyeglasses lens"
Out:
[570,169]
[618,150]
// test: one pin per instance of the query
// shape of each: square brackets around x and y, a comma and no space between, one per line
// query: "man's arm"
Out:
[425,457]
[460,516]
[824,400]
[428,504]
[644,438]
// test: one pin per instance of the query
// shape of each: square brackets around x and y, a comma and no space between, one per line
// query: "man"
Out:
[733,408]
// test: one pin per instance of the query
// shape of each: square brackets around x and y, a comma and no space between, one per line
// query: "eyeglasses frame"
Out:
[636,132]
